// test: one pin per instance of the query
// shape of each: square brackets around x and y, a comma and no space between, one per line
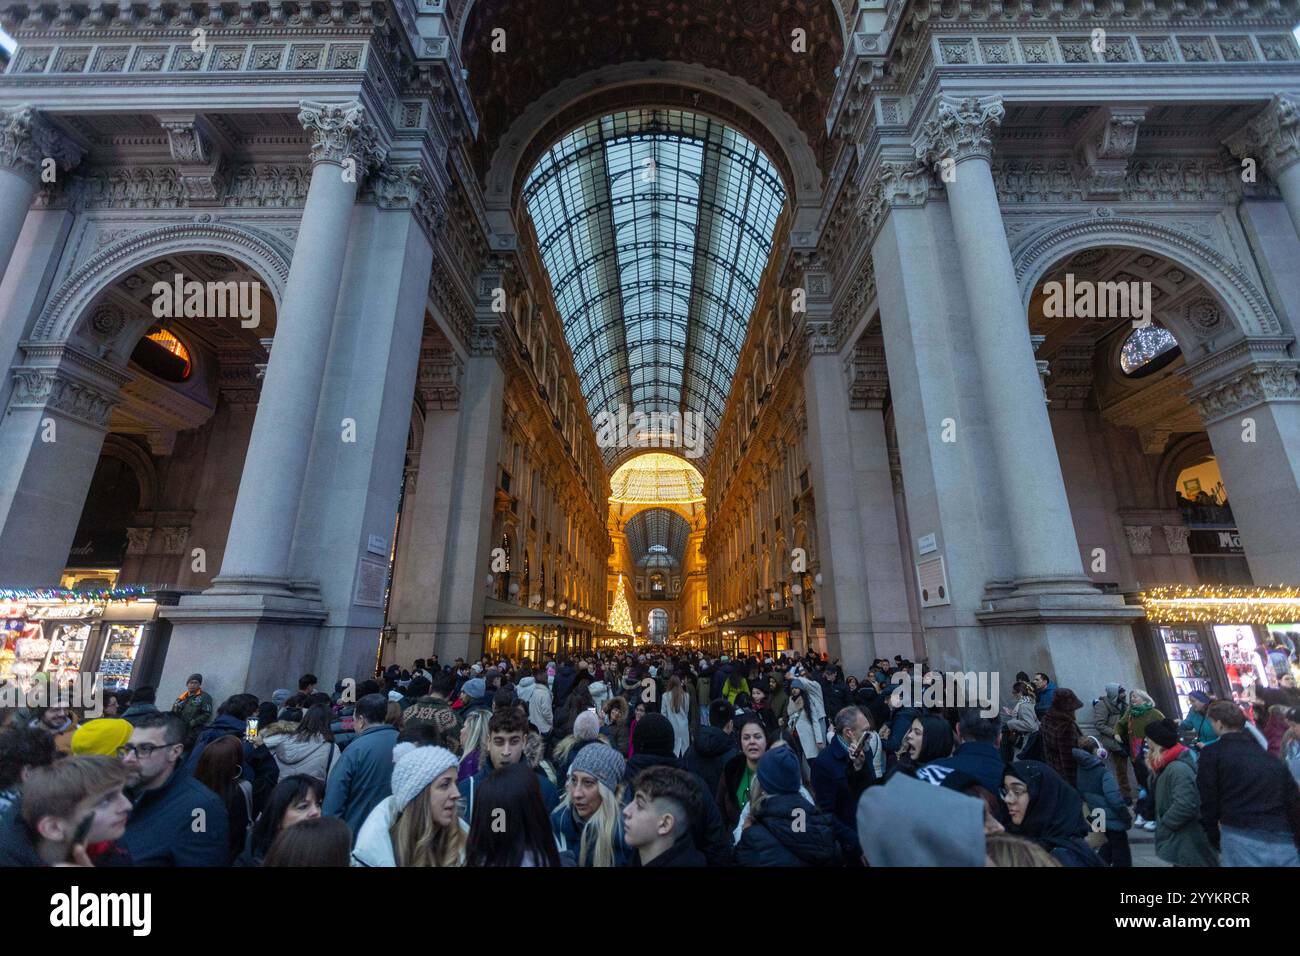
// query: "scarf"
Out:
[1155,765]
[188,694]
[1137,710]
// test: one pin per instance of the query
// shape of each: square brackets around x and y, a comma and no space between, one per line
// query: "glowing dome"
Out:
[657,478]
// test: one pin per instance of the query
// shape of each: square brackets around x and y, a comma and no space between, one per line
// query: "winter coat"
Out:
[1180,838]
[1099,789]
[733,772]
[1199,725]
[703,689]
[1061,733]
[1054,819]
[1242,786]
[257,763]
[160,830]
[708,755]
[681,721]
[837,787]
[540,712]
[982,761]
[361,777]
[138,710]
[565,675]
[470,785]
[314,757]
[809,722]
[680,855]
[620,735]
[568,836]
[1044,702]
[787,830]
[194,709]
[374,846]
[1134,729]
[1107,713]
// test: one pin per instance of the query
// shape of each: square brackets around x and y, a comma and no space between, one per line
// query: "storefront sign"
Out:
[63,612]
[1226,541]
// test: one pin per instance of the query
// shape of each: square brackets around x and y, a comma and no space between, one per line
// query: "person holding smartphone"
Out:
[72,814]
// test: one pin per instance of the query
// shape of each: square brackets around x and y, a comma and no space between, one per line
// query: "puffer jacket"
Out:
[313,757]
[1107,712]
[1099,789]
[787,830]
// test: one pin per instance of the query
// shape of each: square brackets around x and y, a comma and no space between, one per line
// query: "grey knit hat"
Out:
[416,769]
[602,762]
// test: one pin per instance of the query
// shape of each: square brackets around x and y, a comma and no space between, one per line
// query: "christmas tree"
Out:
[620,619]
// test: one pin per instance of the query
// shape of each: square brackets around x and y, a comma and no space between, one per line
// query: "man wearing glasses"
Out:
[176,821]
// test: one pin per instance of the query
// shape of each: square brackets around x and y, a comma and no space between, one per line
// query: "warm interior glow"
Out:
[657,478]
[174,345]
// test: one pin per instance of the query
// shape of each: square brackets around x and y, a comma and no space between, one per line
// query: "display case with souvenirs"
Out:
[121,647]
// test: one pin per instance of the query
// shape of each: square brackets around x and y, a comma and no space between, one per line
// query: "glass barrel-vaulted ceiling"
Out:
[656,537]
[655,227]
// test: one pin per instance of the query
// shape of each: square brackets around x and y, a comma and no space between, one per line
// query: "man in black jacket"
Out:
[1250,803]
[658,821]
[712,747]
[839,775]
[652,746]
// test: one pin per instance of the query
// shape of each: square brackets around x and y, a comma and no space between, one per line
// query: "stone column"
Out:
[478,442]
[343,149]
[959,141]
[1250,403]
[50,438]
[1272,140]
[27,140]
[426,516]
[840,551]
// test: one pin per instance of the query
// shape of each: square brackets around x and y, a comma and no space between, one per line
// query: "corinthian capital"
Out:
[340,132]
[1272,137]
[27,139]
[961,128]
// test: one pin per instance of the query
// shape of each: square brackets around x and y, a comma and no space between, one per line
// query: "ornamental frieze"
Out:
[1247,388]
[50,389]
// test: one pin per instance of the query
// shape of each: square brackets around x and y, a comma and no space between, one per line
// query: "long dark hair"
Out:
[315,723]
[220,766]
[936,739]
[514,791]
[289,791]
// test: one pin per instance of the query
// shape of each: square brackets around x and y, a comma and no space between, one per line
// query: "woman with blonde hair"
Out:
[588,823]
[419,824]
[1005,849]
[676,706]
[473,741]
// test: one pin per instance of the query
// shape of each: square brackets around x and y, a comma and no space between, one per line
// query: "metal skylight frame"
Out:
[655,227]
[657,526]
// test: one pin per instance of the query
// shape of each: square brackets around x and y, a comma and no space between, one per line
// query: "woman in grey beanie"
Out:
[588,823]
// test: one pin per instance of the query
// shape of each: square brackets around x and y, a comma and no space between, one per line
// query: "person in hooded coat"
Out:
[1047,810]
[1108,713]
[807,715]
[1061,734]
[908,822]
[783,827]
[652,746]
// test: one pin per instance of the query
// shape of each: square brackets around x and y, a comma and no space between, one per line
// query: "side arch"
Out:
[266,256]
[1246,307]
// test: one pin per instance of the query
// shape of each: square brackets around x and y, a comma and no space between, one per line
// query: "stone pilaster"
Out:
[27,141]
[1272,139]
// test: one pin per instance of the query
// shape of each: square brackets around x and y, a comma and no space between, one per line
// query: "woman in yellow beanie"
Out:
[101,736]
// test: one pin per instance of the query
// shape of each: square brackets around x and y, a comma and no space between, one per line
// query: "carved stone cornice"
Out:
[438,379]
[868,376]
[408,186]
[201,166]
[53,389]
[1246,388]
[485,339]
[1271,137]
[27,139]
[239,379]
[1109,139]
[1070,385]
[961,128]
[339,132]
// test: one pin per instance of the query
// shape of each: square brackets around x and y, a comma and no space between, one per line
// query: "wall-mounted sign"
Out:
[377,544]
[926,543]
[932,581]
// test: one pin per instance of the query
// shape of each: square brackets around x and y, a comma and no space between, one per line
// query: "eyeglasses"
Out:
[143,751]
[1013,793]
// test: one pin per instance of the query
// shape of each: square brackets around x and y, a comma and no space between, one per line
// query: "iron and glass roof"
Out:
[655,227]
[657,537]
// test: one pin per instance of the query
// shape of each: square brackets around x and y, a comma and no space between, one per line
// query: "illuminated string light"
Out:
[1219,604]
[620,618]
[70,596]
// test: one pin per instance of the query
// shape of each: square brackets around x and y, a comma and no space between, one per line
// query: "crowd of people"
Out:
[657,758]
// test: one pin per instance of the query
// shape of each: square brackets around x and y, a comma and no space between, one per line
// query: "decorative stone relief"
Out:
[1204,315]
[1271,137]
[1176,536]
[1110,139]
[137,540]
[961,128]
[174,538]
[339,132]
[438,379]
[1253,385]
[49,388]
[27,139]
[1139,538]
[409,187]
[868,376]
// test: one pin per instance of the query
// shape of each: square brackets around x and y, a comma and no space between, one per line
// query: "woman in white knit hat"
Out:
[418,825]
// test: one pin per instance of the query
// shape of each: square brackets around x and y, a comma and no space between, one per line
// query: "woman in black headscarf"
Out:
[1047,810]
